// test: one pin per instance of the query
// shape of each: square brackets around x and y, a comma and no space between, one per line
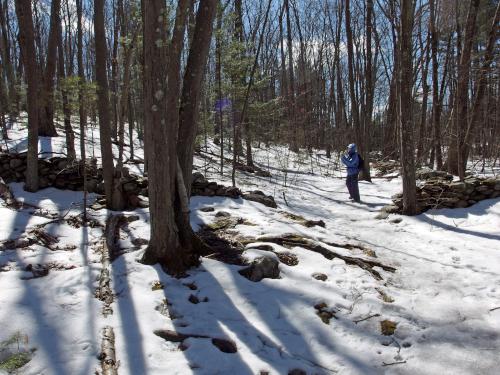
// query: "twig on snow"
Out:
[368,317]
[393,363]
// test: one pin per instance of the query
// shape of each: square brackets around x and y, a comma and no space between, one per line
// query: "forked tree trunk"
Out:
[173,243]
[27,44]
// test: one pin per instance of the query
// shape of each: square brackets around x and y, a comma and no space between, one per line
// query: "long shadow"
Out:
[84,251]
[48,335]
[128,316]
[479,209]
[283,349]
[272,336]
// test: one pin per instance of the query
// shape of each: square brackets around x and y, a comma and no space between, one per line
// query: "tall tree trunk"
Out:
[350,67]
[455,164]
[27,44]
[365,145]
[13,94]
[480,89]
[160,92]
[70,135]
[81,102]
[422,129]
[291,82]
[46,108]
[218,77]
[405,109]
[114,67]
[114,197]
[436,103]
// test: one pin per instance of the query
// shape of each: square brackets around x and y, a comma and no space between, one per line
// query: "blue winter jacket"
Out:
[352,163]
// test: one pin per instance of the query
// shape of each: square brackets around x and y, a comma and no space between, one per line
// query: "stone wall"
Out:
[441,192]
[60,173]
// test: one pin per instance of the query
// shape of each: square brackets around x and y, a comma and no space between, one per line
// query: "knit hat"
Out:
[351,147]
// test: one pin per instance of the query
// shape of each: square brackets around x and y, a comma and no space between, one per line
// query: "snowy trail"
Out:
[446,283]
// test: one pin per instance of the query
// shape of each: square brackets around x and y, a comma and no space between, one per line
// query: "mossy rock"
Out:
[15,361]
[14,353]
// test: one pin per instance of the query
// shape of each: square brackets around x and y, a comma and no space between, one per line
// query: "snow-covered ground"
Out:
[443,295]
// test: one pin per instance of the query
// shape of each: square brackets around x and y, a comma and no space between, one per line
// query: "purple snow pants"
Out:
[352,186]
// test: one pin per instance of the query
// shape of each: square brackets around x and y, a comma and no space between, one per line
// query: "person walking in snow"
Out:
[351,161]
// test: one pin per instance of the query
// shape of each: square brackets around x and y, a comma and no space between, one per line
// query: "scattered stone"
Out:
[261,268]
[191,286]
[384,296]
[288,258]
[320,276]
[382,215]
[157,285]
[324,313]
[396,220]
[207,209]
[301,220]
[387,327]
[222,214]
[193,299]
[427,174]
[262,173]
[259,197]
[225,346]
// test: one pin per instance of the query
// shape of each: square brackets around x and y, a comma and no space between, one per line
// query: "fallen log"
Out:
[107,356]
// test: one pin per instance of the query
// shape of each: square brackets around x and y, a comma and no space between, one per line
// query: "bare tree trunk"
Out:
[422,129]
[114,197]
[46,116]
[350,67]
[291,82]
[405,112]
[12,104]
[218,74]
[81,102]
[27,44]
[70,135]
[436,103]
[455,163]
[480,89]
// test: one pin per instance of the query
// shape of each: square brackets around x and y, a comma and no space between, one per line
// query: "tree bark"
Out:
[480,90]
[114,198]
[46,108]
[455,163]
[27,44]
[405,109]
[70,135]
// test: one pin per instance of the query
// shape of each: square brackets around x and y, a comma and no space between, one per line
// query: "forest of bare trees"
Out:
[414,81]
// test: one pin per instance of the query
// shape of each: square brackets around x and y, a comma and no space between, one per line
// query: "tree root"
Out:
[291,240]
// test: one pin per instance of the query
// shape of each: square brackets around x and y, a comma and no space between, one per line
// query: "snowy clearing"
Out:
[444,296]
